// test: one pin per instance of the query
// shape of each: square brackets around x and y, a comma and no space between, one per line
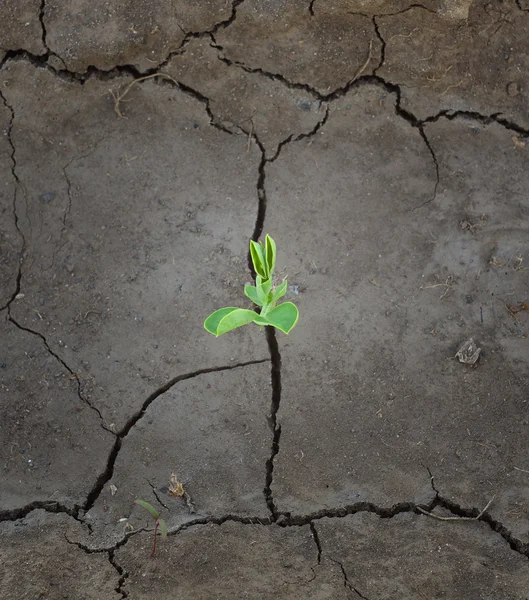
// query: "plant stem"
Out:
[154,542]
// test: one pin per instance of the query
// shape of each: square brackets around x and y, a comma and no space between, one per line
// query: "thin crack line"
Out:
[17,184]
[73,374]
[346,581]
[107,474]
[316,539]
[382,46]
[155,493]
[436,166]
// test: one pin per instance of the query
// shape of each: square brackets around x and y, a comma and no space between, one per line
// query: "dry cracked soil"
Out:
[384,144]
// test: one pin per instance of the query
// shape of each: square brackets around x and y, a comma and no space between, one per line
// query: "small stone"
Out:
[47,197]
[294,289]
[55,63]
[512,89]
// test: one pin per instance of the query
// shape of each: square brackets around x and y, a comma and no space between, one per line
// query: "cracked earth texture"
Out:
[384,145]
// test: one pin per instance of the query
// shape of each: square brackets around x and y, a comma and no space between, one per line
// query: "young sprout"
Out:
[263,294]
[157,522]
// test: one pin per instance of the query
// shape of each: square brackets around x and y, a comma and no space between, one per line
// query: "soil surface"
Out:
[385,147]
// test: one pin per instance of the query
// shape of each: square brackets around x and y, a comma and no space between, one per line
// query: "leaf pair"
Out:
[155,515]
[284,317]
[263,257]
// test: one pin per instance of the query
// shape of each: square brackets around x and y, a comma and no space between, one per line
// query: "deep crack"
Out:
[451,115]
[494,524]
[43,25]
[50,506]
[123,575]
[275,427]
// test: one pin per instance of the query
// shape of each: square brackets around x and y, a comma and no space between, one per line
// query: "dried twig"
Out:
[250,136]
[447,284]
[118,98]
[454,85]
[440,518]
[365,65]
[522,470]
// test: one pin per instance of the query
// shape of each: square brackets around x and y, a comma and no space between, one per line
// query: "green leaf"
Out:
[260,320]
[163,527]
[284,317]
[258,259]
[234,319]
[251,292]
[280,291]
[263,298]
[148,507]
[270,253]
[211,324]
[266,286]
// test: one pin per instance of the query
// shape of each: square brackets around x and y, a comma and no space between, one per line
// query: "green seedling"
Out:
[159,523]
[263,294]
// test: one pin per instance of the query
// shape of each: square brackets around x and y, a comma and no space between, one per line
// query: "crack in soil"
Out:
[382,45]
[107,474]
[282,519]
[43,25]
[155,494]
[41,60]
[273,347]
[50,506]
[452,115]
[346,581]
[355,82]
[436,165]
[123,575]
[287,520]
[73,374]
[189,35]
[316,539]
[275,427]
[16,178]
[124,540]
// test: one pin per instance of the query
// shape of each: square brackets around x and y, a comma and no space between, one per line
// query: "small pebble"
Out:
[47,197]
[512,89]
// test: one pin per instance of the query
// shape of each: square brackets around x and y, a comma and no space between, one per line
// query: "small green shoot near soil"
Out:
[158,522]
[263,294]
